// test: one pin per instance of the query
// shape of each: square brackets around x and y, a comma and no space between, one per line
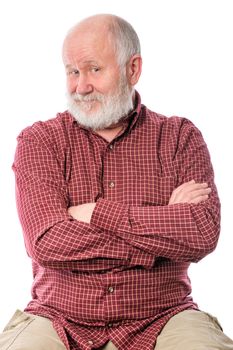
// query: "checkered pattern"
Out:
[124,275]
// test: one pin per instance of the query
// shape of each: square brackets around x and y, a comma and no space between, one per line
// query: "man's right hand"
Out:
[190,192]
[82,212]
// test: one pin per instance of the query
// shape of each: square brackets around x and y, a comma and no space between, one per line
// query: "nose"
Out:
[83,85]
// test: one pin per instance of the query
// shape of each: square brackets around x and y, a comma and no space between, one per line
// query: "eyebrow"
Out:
[85,62]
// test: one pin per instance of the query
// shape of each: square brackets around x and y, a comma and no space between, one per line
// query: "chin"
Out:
[90,109]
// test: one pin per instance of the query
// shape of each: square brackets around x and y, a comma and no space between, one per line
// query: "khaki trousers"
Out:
[188,330]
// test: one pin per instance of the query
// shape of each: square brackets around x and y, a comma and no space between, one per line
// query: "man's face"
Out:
[99,94]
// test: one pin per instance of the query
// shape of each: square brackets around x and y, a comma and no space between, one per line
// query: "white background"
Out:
[187,71]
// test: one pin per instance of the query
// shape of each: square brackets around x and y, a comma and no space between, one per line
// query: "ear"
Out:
[134,69]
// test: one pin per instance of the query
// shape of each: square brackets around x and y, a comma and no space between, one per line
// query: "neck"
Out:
[114,130]
[110,133]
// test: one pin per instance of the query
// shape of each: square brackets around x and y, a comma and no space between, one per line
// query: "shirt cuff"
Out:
[108,215]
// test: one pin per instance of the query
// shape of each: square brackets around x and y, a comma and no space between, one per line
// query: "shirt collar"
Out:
[135,113]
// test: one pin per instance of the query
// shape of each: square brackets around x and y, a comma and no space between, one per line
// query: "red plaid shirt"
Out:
[122,276]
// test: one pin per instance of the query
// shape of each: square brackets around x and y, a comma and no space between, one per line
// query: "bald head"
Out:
[98,22]
[95,24]
[112,30]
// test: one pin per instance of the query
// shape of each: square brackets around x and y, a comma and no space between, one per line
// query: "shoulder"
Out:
[173,121]
[52,131]
[175,126]
[172,135]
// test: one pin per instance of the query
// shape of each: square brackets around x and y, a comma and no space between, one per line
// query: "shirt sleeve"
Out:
[180,232]
[52,237]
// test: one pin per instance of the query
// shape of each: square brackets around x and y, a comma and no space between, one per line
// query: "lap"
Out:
[26,332]
[188,330]
[192,330]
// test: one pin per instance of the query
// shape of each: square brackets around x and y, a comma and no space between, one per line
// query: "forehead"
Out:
[88,45]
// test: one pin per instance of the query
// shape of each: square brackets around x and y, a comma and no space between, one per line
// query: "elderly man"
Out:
[115,202]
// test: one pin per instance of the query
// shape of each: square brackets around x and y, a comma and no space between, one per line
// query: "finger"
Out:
[189,187]
[195,193]
[199,199]
[188,194]
[199,185]
[201,192]
[197,196]
[185,184]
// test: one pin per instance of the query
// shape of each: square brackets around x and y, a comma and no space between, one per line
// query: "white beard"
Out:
[113,107]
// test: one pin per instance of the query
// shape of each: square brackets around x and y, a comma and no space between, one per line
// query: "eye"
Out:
[73,72]
[95,69]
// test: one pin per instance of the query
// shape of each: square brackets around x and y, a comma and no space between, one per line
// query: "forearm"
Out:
[56,240]
[180,232]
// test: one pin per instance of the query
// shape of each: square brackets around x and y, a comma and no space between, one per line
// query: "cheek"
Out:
[107,81]
[107,86]
[71,85]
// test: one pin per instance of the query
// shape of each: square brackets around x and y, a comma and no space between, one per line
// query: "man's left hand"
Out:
[82,212]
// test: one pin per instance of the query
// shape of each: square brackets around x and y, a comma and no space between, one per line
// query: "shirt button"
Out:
[110,325]
[111,184]
[111,146]
[90,342]
[110,289]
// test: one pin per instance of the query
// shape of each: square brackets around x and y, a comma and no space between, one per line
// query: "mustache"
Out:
[87,98]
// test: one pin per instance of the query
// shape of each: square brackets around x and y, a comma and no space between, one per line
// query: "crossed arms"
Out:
[189,192]
[106,234]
